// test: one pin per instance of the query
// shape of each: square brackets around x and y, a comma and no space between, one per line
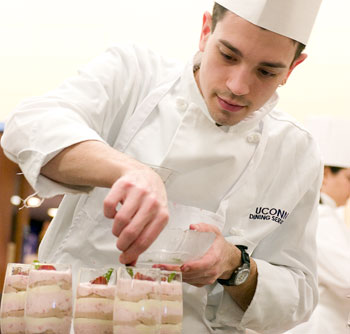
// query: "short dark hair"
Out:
[335,170]
[220,11]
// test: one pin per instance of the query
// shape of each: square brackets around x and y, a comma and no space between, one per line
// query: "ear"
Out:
[206,30]
[295,63]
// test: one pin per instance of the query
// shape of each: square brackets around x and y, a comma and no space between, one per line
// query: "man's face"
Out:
[242,66]
[337,185]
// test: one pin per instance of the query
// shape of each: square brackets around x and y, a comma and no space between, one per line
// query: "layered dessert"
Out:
[171,302]
[93,312]
[48,308]
[137,306]
[13,299]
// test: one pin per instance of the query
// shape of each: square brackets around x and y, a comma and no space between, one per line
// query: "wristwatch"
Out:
[240,275]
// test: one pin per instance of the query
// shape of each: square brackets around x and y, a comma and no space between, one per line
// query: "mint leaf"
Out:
[108,274]
[36,262]
[130,272]
[171,277]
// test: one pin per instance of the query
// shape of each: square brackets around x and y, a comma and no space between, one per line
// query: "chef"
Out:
[333,235]
[138,143]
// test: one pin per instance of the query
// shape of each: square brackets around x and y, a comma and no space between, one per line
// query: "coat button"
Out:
[236,231]
[254,138]
[181,104]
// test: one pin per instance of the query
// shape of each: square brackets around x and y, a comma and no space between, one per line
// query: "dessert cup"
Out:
[137,305]
[13,298]
[171,302]
[93,308]
[48,307]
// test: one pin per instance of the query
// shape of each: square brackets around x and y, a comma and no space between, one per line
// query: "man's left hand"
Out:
[218,262]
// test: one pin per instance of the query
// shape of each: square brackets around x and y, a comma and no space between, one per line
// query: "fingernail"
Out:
[185,269]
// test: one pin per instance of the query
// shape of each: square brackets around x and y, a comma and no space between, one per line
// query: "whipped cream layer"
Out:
[145,312]
[139,329]
[13,304]
[93,326]
[52,325]
[171,312]
[12,325]
[171,329]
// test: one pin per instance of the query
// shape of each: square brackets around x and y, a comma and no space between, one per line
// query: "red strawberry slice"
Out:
[99,280]
[46,267]
[143,277]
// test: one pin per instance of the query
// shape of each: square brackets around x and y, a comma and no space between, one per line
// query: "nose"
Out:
[238,81]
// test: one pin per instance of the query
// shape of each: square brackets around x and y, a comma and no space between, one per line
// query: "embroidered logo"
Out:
[276,215]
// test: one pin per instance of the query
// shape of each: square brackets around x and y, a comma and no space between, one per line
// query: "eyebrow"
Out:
[239,53]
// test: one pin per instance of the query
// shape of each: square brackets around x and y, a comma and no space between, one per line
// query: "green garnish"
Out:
[36,264]
[171,277]
[130,272]
[108,274]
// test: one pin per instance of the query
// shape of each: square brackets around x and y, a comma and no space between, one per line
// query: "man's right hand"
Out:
[140,191]
[143,213]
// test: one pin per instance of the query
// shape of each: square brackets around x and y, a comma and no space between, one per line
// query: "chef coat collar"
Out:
[190,91]
[327,200]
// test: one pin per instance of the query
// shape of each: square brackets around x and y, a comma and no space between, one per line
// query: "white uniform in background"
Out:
[333,235]
[333,241]
[257,181]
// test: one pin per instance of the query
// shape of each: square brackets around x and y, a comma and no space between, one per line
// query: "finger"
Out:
[207,261]
[167,267]
[115,196]
[150,210]
[145,239]
[127,211]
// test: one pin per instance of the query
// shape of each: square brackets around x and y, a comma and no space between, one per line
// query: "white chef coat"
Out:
[273,180]
[333,242]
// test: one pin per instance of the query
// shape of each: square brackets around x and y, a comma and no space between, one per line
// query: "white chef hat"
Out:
[333,138]
[291,18]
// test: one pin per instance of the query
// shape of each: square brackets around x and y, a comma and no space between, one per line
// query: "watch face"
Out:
[241,276]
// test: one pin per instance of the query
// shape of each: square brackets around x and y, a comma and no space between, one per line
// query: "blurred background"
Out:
[42,42]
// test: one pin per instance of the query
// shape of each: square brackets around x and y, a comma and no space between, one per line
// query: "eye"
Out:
[266,73]
[227,56]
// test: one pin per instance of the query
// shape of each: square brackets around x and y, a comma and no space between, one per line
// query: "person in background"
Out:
[138,144]
[333,235]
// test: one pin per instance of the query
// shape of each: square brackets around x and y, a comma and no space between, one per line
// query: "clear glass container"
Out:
[137,304]
[171,302]
[13,298]
[48,307]
[185,245]
[93,307]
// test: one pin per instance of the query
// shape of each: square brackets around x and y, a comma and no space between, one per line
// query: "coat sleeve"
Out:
[333,242]
[82,108]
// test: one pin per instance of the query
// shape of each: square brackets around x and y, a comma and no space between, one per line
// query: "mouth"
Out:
[226,105]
